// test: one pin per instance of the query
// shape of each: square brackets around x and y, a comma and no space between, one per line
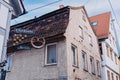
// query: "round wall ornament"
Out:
[37,42]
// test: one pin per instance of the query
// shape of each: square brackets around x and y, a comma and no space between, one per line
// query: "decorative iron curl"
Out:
[37,42]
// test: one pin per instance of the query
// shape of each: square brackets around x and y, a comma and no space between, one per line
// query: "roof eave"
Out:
[18,5]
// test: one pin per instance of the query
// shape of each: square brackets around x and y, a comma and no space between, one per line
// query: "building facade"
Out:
[103,27]
[60,45]
[9,9]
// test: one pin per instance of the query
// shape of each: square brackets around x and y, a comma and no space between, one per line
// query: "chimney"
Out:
[61,6]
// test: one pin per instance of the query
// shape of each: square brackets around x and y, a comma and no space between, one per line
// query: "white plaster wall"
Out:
[30,64]
[72,37]
[105,74]
[108,64]
[3,16]
[107,60]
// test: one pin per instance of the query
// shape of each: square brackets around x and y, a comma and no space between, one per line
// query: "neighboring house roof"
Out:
[101,28]
[18,7]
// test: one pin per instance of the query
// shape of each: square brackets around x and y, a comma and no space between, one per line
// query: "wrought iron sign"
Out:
[37,42]
[24,47]
[25,31]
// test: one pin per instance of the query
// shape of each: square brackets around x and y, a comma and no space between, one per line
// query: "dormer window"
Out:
[95,23]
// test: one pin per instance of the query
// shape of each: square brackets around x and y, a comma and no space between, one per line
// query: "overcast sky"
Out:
[93,7]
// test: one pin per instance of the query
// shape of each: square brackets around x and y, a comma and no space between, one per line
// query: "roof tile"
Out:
[103,22]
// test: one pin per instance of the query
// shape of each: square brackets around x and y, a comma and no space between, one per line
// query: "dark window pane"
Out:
[51,54]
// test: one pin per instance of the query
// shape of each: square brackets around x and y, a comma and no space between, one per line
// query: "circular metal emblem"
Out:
[37,42]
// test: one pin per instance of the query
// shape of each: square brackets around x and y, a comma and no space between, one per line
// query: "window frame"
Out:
[117,78]
[85,64]
[98,68]
[83,16]
[112,76]
[76,56]
[108,74]
[90,40]
[111,54]
[116,58]
[95,23]
[80,31]
[108,50]
[47,55]
[92,66]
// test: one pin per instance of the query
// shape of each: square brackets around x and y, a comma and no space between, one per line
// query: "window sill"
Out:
[99,75]
[75,66]
[85,70]
[81,37]
[52,64]
[93,73]
[91,45]
[8,71]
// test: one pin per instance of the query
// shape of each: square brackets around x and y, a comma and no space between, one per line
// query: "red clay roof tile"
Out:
[103,22]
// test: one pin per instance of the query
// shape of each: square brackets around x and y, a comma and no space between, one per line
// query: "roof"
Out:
[18,7]
[101,29]
[48,25]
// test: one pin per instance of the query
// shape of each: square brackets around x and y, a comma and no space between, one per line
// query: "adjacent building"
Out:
[60,45]
[9,9]
[102,25]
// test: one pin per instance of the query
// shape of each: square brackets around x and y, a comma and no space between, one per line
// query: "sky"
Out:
[93,7]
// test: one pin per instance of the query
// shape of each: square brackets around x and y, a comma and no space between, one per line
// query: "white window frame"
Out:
[85,67]
[90,40]
[95,23]
[92,66]
[80,32]
[83,16]
[98,68]
[46,54]
[76,63]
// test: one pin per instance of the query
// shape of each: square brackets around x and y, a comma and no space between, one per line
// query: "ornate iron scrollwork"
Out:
[37,42]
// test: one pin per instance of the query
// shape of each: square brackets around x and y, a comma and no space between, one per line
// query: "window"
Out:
[116,77]
[80,32]
[51,54]
[108,50]
[98,68]
[92,65]
[108,75]
[83,16]
[74,55]
[112,76]
[90,40]
[77,78]
[9,63]
[111,56]
[115,57]
[113,41]
[84,60]
[95,23]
